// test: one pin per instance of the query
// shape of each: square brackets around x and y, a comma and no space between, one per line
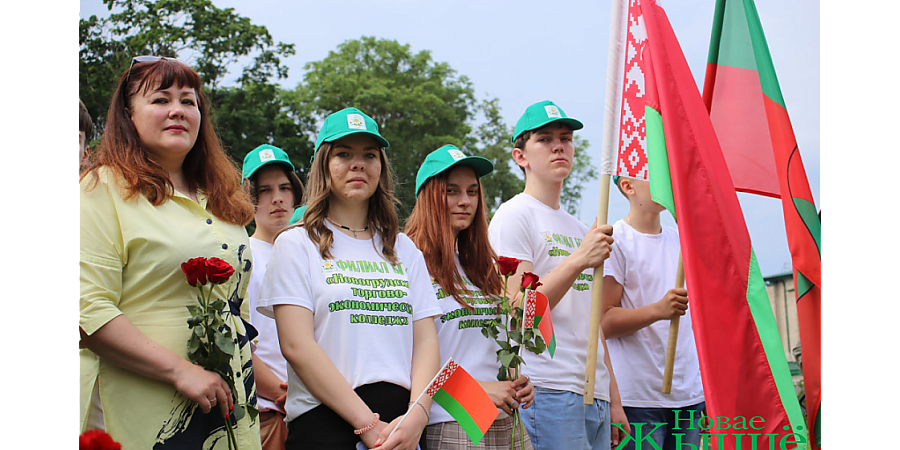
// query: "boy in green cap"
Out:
[563,252]
[276,191]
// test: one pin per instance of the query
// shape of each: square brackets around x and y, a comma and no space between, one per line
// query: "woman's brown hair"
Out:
[429,228]
[206,167]
[382,210]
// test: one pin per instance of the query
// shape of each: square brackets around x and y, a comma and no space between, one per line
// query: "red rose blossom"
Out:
[218,271]
[507,266]
[530,281]
[195,271]
[97,440]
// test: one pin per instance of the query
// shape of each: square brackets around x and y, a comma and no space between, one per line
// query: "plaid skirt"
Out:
[450,436]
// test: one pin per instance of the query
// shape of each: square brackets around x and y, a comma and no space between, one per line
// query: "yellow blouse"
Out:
[130,263]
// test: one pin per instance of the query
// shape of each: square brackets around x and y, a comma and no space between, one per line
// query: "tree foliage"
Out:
[419,104]
[582,172]
[208,38]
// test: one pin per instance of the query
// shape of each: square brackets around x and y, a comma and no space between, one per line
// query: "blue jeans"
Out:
[560,420]
[659,426]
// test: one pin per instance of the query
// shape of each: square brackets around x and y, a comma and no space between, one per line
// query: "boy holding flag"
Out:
[562,251]
[639,300]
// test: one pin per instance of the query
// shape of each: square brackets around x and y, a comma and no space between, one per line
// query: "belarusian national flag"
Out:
[744,370]
[461,396]
[540,315]
[750,117]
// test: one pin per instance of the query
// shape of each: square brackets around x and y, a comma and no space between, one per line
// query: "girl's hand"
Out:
[502,393]
[524,391]
[407,435]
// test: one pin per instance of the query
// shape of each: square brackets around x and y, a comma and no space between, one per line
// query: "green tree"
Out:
[209,38]
[582,172]
[493,142]
[418,104]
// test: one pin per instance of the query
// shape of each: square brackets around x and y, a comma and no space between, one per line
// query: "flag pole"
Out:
[596,293]
[608,166]
[673,334]
[413,404]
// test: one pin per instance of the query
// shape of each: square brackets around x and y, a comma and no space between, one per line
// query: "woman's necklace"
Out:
[353,230]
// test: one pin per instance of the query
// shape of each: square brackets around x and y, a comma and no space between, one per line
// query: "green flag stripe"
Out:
[463,418]
[761,310]
[733,44]
[803,285]
[767,78]
[658,161]
[810,217]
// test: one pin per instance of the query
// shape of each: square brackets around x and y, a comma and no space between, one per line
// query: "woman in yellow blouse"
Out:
[160,191]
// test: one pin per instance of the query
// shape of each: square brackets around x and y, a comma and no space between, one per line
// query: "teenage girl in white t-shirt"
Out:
[352,301]
[449,225]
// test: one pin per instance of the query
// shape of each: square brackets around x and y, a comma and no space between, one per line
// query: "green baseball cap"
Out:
[540,114]
[298,214]
[262,155]
[447,157]
[344,123]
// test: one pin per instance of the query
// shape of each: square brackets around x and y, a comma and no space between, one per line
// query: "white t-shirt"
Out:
[266,343]
[459,334]
[645,266]
[363,306]
[526,229]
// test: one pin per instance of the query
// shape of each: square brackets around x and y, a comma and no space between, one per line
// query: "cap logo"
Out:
[266,155]
[552,111]
[456,154]
[356,122]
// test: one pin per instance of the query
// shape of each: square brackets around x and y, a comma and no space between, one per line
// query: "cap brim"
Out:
[574,124]
[284,163]
[482,166]
[381,141]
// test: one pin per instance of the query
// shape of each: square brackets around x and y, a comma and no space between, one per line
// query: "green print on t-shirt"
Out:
[372,288]
[368,266]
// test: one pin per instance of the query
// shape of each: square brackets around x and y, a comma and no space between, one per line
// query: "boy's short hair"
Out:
[615,180]
[296,185]
[84,121]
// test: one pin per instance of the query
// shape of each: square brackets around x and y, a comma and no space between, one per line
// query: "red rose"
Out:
[97,440]
[218,271]
[530,281]
[195,271]
[507,266]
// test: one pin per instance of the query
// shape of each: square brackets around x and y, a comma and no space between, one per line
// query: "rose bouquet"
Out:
[518,330]
[211,344]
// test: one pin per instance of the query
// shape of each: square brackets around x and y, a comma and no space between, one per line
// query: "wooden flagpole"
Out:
[673,335]
[596,293]
[608,166]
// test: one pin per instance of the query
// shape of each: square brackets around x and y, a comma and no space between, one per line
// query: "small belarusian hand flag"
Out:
[530,307]
[540,316]
[461,396]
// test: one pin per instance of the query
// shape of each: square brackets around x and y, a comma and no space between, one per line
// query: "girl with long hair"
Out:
[160,190]
[449,225]
[352,301]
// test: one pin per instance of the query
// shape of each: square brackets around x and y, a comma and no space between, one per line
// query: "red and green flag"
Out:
[537,313]
[742,363]
[751,120]
[461,396]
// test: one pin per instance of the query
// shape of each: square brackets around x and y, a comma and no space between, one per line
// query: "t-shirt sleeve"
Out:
[614,266]
[287,279]
[101,259]
[509,235]
[421,290]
